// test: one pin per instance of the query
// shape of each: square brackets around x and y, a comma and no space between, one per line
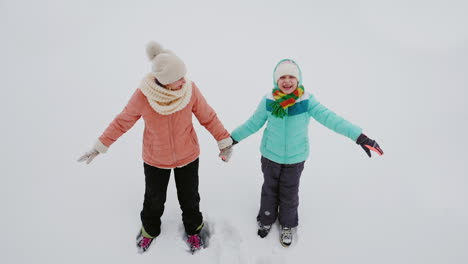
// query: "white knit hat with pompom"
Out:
[167,67]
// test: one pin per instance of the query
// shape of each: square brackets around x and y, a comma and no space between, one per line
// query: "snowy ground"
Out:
[396,68]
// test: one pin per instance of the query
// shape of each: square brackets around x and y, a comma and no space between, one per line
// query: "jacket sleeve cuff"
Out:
[224,143]
[100,147]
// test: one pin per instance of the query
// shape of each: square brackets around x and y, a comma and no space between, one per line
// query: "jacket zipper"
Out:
[171,139]
[285,136]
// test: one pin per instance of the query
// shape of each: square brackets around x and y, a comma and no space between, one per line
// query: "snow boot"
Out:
[263,230]
[286,236]
[143,242]
[195,242]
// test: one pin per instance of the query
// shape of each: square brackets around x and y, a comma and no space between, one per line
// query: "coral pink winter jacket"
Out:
[169,141]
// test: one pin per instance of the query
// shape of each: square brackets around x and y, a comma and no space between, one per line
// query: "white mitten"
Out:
[226,153]
[225,148]
[89,156]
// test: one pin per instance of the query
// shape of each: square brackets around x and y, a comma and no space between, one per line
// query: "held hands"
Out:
[89,156]
[225,147]
[226,153]
[369,144]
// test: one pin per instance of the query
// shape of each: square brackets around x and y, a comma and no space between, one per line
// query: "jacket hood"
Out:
[276,68]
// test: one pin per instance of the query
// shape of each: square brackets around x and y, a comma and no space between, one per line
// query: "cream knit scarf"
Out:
[165,101]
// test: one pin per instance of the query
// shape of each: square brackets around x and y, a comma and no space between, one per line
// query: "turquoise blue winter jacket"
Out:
[286,140]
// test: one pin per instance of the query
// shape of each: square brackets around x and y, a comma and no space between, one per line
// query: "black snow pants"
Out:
[157,179]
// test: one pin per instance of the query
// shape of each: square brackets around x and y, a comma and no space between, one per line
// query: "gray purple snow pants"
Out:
[280,193]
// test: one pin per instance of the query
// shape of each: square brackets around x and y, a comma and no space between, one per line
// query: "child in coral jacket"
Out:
[166,100]
[285,145]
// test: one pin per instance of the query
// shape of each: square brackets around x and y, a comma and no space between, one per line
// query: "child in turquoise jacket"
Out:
[285,145]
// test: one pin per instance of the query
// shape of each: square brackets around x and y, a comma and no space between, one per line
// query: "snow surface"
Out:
[396,68]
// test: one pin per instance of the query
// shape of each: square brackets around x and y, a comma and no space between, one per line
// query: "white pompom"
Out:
[153,49]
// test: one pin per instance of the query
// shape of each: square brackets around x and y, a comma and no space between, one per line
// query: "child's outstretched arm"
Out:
[120,125]
[252,125]
[368,144]
[341,126]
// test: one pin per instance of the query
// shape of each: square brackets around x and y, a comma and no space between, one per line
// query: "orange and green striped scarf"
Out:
[283,101]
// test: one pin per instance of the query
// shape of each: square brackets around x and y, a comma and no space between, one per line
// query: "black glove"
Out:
[369,144]
[234,141]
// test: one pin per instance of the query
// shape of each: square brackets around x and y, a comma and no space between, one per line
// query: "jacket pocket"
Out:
[297,147]
[193,135]
[274,145]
